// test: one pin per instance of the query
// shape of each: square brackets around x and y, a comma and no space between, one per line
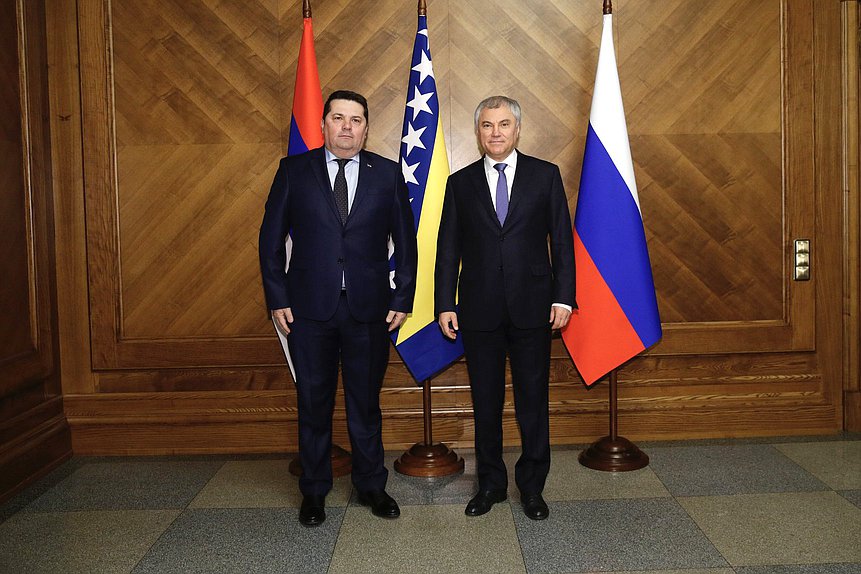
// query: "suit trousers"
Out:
[528,351]
[362,349]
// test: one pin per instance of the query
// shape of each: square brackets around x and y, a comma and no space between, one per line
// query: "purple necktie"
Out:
[501,193]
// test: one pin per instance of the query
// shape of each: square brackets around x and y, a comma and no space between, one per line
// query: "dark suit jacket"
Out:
[301,202]
[505,266]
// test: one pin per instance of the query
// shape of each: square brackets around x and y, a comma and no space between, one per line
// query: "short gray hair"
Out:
[494,102]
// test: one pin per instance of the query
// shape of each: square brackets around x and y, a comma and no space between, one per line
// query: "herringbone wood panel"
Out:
[715,117]
[203,94]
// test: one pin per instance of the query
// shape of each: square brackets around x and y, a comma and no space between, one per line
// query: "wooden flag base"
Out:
[342,463]
[619,455]
[613,453]
[429,460]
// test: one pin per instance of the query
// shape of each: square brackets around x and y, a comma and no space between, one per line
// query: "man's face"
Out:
[345,128]
[498,132]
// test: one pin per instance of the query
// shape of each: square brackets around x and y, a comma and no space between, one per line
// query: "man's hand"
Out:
[283,318]
[394,319]
[448,324]
[559,316]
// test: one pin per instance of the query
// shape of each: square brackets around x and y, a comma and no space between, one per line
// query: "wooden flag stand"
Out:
[613,453]
[427,459]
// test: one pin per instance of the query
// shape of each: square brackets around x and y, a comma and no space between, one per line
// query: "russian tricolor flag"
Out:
[618,311]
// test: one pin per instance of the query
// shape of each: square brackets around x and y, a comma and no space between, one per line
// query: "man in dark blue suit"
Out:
[335,304]
[498,215]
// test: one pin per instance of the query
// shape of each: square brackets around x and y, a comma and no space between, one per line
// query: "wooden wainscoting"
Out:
[184,107]
[34,436]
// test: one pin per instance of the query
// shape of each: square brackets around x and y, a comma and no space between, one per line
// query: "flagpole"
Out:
[428,459]
[613,453]
[342,462]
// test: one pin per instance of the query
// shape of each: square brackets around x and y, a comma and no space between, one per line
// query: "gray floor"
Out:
[787,506]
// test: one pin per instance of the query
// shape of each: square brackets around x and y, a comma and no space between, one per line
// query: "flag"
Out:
[305,132]
[618,311]
[424,162]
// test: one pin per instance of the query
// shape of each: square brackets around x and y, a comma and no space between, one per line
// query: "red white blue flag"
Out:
[618,310]
[305,132]
[424,162]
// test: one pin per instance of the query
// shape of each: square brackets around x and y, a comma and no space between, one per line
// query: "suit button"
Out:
[500,267]
[340,259]
[502,237]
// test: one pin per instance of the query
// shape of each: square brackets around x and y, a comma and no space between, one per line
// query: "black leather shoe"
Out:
[534,506]
[482,502]
[381,504]
[313,511]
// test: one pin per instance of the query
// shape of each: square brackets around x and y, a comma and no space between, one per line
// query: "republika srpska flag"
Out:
[305,132]
[618,310]
[424,162]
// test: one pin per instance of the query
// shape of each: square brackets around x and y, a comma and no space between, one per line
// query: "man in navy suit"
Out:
[498,215]
[340,205]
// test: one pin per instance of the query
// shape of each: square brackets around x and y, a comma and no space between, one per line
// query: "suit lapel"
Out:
[518,187]
[366,164]
[321,174]
[479,180]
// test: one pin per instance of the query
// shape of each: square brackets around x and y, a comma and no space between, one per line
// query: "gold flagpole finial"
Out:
[423,8]
[306,8]
[608,7]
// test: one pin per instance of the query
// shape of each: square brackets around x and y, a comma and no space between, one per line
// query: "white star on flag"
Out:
[424,68]
[419,103]
[410,171]
[413,138]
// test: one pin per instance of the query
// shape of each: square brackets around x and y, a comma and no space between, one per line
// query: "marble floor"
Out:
[762,506]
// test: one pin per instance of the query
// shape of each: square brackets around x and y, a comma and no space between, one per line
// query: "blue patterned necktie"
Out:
[501,193]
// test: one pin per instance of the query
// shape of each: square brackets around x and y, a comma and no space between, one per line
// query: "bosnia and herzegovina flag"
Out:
[424,163]
[618,311]
[305,132]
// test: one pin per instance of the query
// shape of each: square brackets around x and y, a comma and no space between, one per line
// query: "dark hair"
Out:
[346,95]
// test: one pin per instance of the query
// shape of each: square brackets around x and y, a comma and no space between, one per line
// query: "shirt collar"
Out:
[510,161]
[332,157]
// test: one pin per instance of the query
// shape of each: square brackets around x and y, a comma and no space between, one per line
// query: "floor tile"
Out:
[837,464]
[685,571]
[261,484]
[37,489]
[453,489]
[65,542]
[719,470]
[802,569]
[853,496]
[607,535]
[128,486]
[259,540]
[790,528]
[570,480]
[428,539]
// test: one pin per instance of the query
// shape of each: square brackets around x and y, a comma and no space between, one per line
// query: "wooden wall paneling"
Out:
[852,216]
[73,310]
[181,132]
[34,436]
[829,201]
